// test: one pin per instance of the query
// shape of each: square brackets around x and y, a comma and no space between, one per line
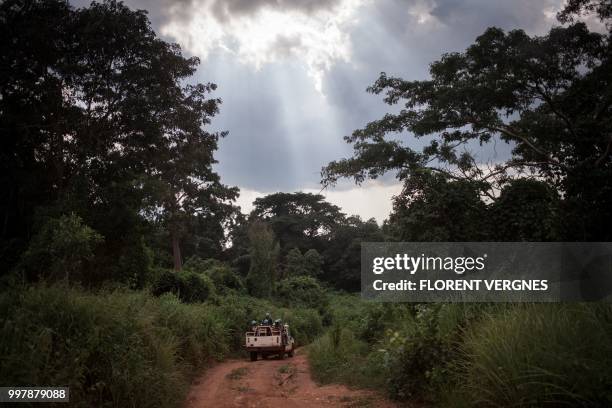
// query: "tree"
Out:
[526,210]
[299,220]
[312,263]
[309,264]
[97,119]
[302,291]
[294,263]
[264,253]
[342,254]
[575,8]
[549,97]
[433,208]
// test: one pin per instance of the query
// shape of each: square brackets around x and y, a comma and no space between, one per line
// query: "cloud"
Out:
[228,9]
[266,31]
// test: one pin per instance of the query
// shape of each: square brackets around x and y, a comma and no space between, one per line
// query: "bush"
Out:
[60,249]
[168,282]
[305,324]
[197,288]
[411,351]
[190,287]
[302,291]
[225,279]
[199,265]
[422,349]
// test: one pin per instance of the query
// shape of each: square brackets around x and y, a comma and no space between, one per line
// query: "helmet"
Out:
[253,322]
[268,314]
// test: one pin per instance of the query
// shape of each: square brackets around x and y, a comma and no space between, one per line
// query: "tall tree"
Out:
[526,210]
[433,208]
[313,262]
[342,253]
[549,97]
[264,251]
[294,263]
[575,8]
[299,220]
[96,118]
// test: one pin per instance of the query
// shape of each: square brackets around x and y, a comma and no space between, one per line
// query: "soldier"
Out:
[267,321]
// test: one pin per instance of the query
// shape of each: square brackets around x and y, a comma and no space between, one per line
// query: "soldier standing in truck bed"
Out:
[267,321]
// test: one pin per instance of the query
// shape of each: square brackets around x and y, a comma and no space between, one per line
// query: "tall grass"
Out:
[338,356]
[521,355]
[113,349]
[537,355]
[120,348]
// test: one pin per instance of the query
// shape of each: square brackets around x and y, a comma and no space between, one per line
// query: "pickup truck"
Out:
[266,340]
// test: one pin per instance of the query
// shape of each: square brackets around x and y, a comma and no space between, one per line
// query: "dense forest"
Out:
[127,267]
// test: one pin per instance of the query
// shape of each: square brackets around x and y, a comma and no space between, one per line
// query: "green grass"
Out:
[540,355]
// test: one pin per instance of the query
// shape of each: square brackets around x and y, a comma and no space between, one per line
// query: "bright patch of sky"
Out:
[318,38]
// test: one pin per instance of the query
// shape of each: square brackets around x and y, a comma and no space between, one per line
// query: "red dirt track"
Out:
[273,383]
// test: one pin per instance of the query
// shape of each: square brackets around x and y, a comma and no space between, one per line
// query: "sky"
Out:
[293,74]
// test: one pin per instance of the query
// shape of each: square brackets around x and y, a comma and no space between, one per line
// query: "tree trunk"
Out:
[176,252]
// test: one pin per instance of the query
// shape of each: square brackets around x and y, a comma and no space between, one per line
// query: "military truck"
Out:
[267,340]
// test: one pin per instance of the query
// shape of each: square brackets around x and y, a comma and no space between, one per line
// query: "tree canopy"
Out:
[299,220]
[549,97]
[99,118]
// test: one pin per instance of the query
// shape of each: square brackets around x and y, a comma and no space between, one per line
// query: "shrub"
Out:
[199,265]
[225,279]
[197,288]
[168,282]
[188,286]
[294,263]
[305,324]
[302,291]
[60,249]
[313,262]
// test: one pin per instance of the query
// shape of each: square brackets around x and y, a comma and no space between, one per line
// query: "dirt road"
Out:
[273,383]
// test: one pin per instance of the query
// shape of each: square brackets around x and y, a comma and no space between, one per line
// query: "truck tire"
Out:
[281,356]
[253,356]
[290,353]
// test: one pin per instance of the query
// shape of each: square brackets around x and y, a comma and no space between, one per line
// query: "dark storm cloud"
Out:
[525,14]
[226,9]
[162,11]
